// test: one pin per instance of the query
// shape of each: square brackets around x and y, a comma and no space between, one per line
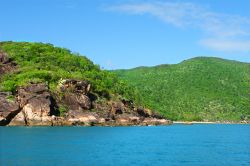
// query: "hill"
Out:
[39,62]
[41,84]
[202,88]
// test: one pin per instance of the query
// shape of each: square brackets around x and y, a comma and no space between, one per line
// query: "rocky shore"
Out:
[34,105]
[71,103]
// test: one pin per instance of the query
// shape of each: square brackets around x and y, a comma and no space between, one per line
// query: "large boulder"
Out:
[84,118]
[18,120]
[76,101]
[8,108]
[37,105]
[75,94]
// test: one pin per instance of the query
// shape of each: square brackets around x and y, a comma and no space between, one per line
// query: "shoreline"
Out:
[136,125]
[208,122]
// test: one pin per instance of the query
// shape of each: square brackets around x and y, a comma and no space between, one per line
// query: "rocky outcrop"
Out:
[76,101]
[19,120]
[8,108]
[35,105]
[85,118]
[84,109]
[75,94]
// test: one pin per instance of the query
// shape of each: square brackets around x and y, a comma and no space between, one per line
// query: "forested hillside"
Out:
[202,88]
[44,85]
[39,62]
[197,89]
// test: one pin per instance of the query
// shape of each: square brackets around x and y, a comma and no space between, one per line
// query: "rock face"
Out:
[75,94]
[8,109]
[35,105]
[19,120]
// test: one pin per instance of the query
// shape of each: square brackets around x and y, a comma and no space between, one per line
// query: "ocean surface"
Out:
[174,145]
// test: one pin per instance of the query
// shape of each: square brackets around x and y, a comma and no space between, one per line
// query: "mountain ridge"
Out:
[200,88]
[193,58]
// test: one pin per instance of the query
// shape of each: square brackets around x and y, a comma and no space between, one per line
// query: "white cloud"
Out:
[222,32]
[173,13]
[226,45]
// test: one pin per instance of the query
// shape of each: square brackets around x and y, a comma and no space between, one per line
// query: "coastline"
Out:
[115,124]
[209,122]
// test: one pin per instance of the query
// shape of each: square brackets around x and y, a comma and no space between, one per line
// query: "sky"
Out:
[122,34]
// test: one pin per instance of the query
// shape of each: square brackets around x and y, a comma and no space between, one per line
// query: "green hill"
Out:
[39,62]
[196,89]
[202,88]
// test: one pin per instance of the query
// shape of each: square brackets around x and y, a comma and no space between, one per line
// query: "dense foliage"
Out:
[38,62]
[197,89]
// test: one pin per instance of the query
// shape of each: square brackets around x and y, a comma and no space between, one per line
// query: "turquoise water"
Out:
[175,145]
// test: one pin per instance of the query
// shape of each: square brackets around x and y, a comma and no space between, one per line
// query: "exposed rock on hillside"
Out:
[8,108]
[75,94]
[35,105]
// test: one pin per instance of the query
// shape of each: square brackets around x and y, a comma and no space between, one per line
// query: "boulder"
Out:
[8,109]
[37,105]
[76,101]
[144,112]
[127,119]
[155,121]
[83,118]
[18,120]
[75,94]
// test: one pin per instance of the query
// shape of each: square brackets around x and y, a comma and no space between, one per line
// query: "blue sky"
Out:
[130,33]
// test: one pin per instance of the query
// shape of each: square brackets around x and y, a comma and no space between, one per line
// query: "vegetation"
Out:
[38,62]
[62,110]
[197,89]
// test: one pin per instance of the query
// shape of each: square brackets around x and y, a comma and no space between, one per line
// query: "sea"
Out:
[173,145]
